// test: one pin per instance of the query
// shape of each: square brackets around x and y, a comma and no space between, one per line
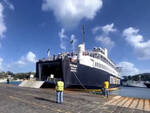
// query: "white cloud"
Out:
[74,41]
[2,24]
[29,58]
[136,40]
[11,6]
[62,37]
[64,40]
[97,28]
[105,41]
[70,12]
[104,38]
[128,68]
[1,61]
[25,64]
[109,28]
[106,29]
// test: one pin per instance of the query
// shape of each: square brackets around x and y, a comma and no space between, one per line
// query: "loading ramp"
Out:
[31,84]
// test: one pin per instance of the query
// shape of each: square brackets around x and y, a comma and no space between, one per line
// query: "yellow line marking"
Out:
[112,89]
[147,105]
[122,102]
[134,103]
[128,102]
[96,90]
[140,105]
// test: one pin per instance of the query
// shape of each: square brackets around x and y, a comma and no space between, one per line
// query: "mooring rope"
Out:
[80,82]
[90,92]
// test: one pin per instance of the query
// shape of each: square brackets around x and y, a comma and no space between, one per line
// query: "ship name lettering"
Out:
[73,65]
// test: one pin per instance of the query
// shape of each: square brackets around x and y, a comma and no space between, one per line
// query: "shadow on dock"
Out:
[43,99]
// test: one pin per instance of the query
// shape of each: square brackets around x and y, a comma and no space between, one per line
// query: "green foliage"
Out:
[9,73]
[3,74]
[16,75]
[23,75]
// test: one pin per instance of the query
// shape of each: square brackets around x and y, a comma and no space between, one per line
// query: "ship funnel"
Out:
[81,50]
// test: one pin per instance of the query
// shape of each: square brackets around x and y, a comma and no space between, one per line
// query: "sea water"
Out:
[133,92]
[13,82]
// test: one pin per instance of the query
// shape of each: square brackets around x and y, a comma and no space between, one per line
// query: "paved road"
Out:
[15,99]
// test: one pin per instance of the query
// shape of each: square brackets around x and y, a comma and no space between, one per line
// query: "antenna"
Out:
[83,34]
[48,53]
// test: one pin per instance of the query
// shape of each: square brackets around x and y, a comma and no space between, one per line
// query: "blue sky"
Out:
[29,27]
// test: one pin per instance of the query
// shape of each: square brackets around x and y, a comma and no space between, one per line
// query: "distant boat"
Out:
[132,83]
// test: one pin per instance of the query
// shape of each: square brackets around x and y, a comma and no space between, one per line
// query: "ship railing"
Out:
[95,55]
[59,56]
[63,55]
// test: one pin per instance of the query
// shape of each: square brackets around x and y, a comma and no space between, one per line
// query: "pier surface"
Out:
[14,99]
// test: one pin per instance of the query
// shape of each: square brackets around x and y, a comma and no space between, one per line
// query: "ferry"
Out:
[81,69]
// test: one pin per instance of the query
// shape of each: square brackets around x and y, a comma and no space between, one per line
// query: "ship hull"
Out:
[76,75]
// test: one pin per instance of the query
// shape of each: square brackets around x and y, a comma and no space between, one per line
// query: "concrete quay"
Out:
[14,99]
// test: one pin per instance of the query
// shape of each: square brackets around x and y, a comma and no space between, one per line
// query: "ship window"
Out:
[118,81]
[96,64]
[111,80]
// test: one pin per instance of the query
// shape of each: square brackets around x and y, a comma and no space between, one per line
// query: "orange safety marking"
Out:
[147,105]
[134,103]
[116,102]
[140,105]
[128,102]
[112,100]
[123,101]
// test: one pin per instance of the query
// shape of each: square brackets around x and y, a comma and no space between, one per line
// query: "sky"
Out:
[28,28]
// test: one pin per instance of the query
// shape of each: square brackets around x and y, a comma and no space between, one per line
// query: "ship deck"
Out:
[14,99]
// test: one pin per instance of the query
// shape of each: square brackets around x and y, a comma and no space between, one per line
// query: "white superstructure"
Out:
[97,58]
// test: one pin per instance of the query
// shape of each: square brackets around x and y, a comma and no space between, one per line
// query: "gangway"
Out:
[31,83]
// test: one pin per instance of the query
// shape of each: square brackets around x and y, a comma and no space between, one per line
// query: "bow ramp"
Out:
[31,84]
